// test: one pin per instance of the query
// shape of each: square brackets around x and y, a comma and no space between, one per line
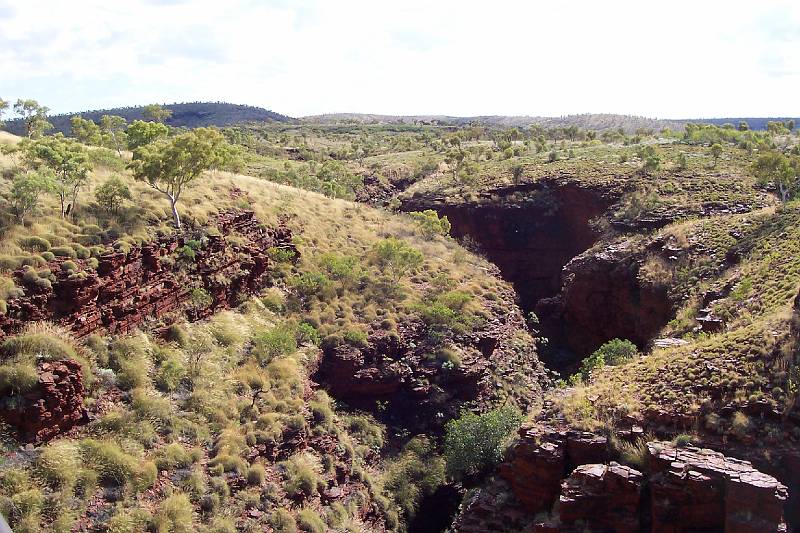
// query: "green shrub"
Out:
[416,472]
[256,474]
[173,456]
[282,521]
[343,268]
[280,255]
[273,343]
[355,337]
[613,352]
[475,443]
[200,298]
[396,257]
[310,521]
[430,224]
[35,244]
[170,373]
[309,284]
[175,515]
[306,333]
[69,266]
[64,251]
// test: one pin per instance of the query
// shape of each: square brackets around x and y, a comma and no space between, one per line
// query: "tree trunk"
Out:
[175,216]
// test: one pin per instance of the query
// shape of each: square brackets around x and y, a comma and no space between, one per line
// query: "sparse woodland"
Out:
[226,422]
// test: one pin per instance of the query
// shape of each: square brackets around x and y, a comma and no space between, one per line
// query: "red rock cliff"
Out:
[151,280]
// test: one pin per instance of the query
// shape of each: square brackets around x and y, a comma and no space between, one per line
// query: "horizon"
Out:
[460,59]
[414,115]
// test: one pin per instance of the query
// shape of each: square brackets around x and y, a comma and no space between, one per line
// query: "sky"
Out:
[661,59]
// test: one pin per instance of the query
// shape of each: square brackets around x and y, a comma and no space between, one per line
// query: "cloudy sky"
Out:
[664,58]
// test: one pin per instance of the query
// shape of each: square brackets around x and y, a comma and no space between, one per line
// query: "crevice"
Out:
[537,235]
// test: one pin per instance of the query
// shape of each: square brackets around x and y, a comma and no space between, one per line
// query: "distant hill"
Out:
[592,121]
[188,115]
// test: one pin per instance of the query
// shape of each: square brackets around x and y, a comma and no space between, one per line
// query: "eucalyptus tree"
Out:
[170,165]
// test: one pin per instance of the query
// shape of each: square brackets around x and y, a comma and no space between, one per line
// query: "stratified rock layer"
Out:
[152,280]
[562,481]
[705,490]
[52,406]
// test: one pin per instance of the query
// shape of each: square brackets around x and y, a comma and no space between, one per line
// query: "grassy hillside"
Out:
[218,426]
[184,115]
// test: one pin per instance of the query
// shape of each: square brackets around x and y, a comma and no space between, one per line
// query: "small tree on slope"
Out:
[169,166]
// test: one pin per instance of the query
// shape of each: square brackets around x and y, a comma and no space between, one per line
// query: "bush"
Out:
[396,257]
[273,343]
[35,244]
[613,352]
[47,344]
[301,476]
[172,456]
[175,515]
[128,521]
[417,472]
[306,333]
[282,521]
[177,334]
[59,463]
[115,466]
[64,251]
[430,224]
[18,377]
[475,443]
[310,284]
[200,298]
[256,474]
[170,373]
[310,521]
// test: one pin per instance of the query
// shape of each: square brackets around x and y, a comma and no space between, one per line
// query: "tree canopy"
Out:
[170,165]
[141,133]
[34,116]
[67,158]
[777,168]
[156,113]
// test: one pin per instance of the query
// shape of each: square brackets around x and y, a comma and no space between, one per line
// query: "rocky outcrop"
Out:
[397,375]
[601,498]
[529,230]
[153,279]
[603,298]
[542,458]
[705,490]
[562,481]
[52,406]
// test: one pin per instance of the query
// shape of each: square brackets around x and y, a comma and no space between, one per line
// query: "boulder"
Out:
[694,488]
[52,406]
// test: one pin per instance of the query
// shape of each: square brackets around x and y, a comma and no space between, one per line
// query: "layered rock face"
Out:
[603,298]
[530,230]
[704,490]
[52,406]
[152,280]
[395,369]
[685,489]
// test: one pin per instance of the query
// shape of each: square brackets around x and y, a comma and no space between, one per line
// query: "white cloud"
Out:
[665,59]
